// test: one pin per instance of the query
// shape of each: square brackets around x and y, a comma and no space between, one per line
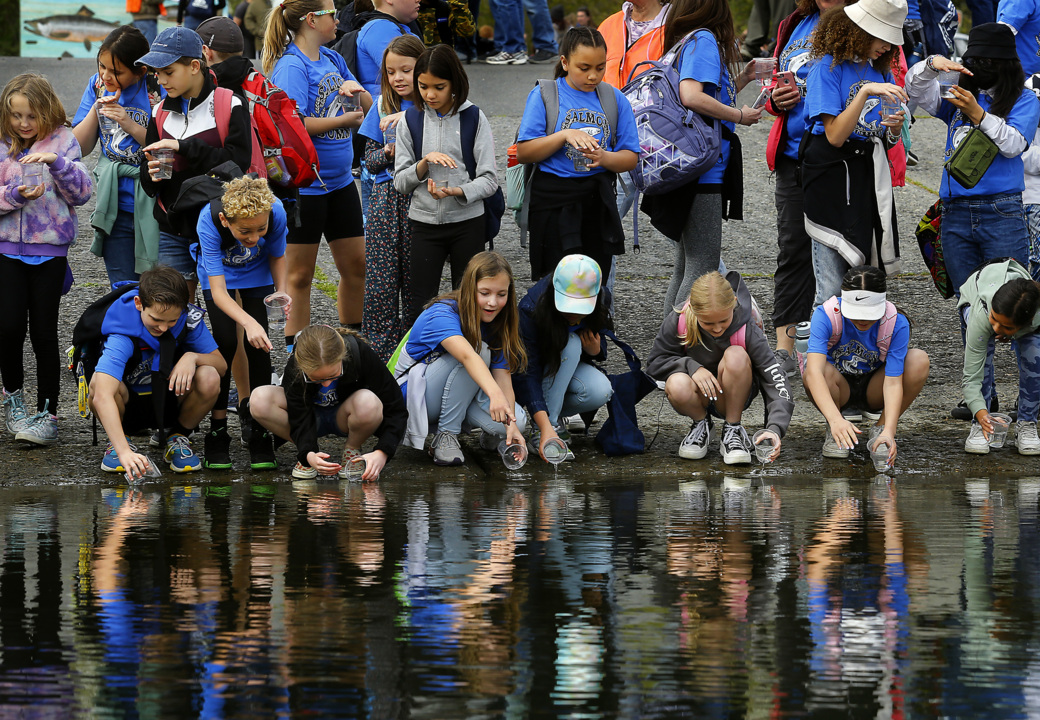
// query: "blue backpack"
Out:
[676,144]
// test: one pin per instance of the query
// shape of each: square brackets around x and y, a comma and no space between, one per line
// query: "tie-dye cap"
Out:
[576,282]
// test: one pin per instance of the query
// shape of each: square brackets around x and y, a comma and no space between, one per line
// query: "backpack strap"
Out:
[682,319]
[413,117]
[469,119]
[886,329]
[739,338]
[607,101]
[551,99]
[833,308]
[222,101]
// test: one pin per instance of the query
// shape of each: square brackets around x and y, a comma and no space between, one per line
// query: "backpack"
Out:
[495,205]
[346,45]
[197,192]
[739,338]
[676,144]
[289,155]
[518,177]
[87,339]
[884,335]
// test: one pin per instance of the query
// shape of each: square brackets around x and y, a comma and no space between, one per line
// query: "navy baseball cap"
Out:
[171,45]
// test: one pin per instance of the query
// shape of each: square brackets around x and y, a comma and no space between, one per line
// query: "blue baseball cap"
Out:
[171,45]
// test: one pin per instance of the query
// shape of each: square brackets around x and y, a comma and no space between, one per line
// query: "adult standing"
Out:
[255,23]
[145,14]
[190,13]
[509,32]
[793,287]
[764,16]
[248,39]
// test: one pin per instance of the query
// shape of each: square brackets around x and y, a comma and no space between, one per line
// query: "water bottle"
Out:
[801,337]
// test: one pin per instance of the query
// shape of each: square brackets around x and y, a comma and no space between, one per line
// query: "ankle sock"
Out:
[215,424]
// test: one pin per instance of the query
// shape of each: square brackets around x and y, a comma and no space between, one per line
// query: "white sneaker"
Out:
[852,414]
[977,444]
[695,445]
[736,445]
[831,449]
[1026,439]
[507,58]
[872,415]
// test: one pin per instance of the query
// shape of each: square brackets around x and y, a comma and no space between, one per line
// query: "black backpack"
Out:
[85,352]
[197,192]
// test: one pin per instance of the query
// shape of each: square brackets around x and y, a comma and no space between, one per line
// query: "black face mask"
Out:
[983,78]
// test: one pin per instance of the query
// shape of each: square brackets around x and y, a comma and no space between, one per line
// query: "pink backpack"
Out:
[739,338]
[884,336]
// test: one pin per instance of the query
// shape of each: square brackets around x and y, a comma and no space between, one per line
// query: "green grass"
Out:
[324,284]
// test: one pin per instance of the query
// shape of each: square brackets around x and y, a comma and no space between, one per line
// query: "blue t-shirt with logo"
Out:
[314,85]
[327,396]
[579,110]
[437,322]
[700,61]
[829,91]
[795,58]
[372,40]
[1024,17]
[1005,174]
[857,353]
[370,129]
[241,267]
[120,147]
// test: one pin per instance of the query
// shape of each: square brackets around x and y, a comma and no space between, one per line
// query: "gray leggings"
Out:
[698,251]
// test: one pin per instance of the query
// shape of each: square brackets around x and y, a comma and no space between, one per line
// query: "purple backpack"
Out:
[676,144]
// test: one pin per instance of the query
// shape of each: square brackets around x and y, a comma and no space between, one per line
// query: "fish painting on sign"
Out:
[61,29]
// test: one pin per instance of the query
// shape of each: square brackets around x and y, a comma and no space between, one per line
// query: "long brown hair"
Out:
[404,46]
[283,22]
[504,330]
[714,15]
[44,103]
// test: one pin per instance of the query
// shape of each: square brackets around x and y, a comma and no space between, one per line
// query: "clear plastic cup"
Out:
[344,104]
[555,451]
[276,305]
[513,456]
[390,135]
[948,80]
[1001,423]
[33,173]
[152,471]
[440,175]
[764,448]
[165,158]
[880,458]
[106,125]
[889,108]
[577,157]
[354,469]
[764,70]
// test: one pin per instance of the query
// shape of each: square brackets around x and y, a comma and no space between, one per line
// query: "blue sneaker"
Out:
[110,463]
[181,457]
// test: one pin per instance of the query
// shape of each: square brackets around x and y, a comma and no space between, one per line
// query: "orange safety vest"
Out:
[134,6]
[620,57]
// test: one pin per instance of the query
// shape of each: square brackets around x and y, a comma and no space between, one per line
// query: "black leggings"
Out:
[31,295]
[225,332]
[431,245]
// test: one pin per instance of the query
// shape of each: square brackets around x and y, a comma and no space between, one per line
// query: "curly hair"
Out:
[838,36]
[246,197]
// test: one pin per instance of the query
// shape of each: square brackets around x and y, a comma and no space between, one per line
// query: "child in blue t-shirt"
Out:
[125,233]
[573,207]
[242,252]
[853,371]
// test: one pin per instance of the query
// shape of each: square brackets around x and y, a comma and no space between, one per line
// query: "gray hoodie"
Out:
[669,356]
[444,134]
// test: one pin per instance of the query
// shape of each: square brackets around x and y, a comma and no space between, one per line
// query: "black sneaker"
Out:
[542,56]
[261,449]
[217,450]
[961,412]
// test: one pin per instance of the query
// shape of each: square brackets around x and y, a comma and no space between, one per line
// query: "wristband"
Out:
[930,64]
[741,120]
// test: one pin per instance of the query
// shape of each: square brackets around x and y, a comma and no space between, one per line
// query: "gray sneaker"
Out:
[445,449]
[14,411]
[40,429]
[488,441]
[507,58]
[788,362]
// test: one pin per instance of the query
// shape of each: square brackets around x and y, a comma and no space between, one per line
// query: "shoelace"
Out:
[449,439]
[133,448]
[16,409]
[1027,430]
[178,445]
[698,432]
[734,435]
[40,416]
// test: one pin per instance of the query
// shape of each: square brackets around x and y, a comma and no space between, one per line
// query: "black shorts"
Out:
[140,412]
[335,215]
[752,394]
[858,389]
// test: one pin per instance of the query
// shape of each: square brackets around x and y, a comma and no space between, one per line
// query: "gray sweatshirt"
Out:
[444,134]
[669,356]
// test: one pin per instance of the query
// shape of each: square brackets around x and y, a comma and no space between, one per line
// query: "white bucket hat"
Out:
[881,18]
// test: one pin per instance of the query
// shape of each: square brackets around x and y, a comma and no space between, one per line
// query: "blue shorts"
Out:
[173,251]
[326,417]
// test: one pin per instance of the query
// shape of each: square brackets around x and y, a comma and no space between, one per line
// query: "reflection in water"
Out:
[715,597]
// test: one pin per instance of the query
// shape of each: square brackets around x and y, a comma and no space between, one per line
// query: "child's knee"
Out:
[206,381]
[736,360]
[261,401]
[521,419]
[367,407]
[679,388]
[917,365]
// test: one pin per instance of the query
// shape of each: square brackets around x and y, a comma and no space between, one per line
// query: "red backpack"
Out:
[288,151]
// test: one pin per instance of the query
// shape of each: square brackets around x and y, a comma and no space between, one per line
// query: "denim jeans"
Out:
[1027,350]
[118,250]
[173,251]
[148,28]
[1033,225]
[576,387]
[978,229]
[452,396]
[829,267]
[509,25]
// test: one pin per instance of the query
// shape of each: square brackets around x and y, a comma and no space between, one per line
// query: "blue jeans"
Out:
[452,396]
[576,387]
[509,25]
[118,250]
[829,267]
[173,251]
[1033,225]
[148,28]
[978,229]
[1027,350]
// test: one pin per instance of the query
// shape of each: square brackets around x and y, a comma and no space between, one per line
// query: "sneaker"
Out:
[110,462]
[695,445]
[506,58]
[261,448]
[575,423]
[153,441]
[788,362]
[488,441]
[977,444]
[831,449]
[304,472]
[1026,439]
[445,449]
[871,415]
[562,432]
[348,457]
[911,158]
[232,400]
[14,411]
[40,429]
[736,445]
[542,56]
[852,414]
[217,450]
[179,454]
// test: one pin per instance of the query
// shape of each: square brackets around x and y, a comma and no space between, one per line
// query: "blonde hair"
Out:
[709,292]
[246,197]
[283,24]
[317,346]
[44,103]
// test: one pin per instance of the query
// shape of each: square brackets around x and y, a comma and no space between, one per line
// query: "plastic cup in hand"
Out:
[390,135]
[439,174]
[880,457]
[344,104]
[513,456]
[764,70]
[106,125]
[165,158]
[32,174]
[1001,423]
[889,108]
[555,451]
[276,305]
[948,80]
[581,163]
[763,442]
[354,469]
[152,471]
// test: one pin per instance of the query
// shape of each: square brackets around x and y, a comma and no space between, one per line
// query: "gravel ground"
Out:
[930,443]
